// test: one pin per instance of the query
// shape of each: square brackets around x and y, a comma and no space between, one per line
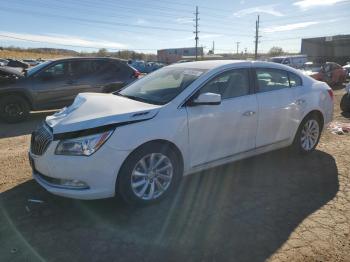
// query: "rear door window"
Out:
[294,80]
[110,67]
[81,69]
[269,79]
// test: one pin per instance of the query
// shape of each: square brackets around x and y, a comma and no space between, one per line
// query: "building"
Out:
[332,48]
[172,55]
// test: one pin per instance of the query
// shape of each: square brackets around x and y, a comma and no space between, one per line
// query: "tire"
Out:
[133,167]
[14,109]
[310,129]
[345,103]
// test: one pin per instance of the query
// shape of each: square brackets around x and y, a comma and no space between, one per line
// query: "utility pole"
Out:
[196,32]
[213,49]
[237,43]
[257,24]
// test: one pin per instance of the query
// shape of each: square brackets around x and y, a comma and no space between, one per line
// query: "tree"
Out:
[276,51]
[102,52]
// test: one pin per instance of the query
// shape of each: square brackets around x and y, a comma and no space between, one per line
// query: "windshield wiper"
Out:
[127,96]
[136,98]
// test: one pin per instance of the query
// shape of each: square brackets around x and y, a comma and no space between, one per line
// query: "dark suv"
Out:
[54,84]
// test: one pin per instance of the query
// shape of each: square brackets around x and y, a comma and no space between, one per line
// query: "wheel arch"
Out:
[318,114]
[20,94]
[314,112]
[163,142]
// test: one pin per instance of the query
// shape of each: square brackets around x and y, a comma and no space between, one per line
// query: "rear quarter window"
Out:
[270,79]
[294,80]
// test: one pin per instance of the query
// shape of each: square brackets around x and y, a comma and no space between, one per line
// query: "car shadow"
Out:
[23,128]
[345,114]
[339,87]
[243,211]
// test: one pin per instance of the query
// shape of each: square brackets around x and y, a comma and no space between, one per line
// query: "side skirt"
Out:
[240,156]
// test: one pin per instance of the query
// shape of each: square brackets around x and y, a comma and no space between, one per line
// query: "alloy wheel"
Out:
[152,175]
[13,109]
[310,134]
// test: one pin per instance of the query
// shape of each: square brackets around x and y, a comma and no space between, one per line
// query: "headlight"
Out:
[82,146]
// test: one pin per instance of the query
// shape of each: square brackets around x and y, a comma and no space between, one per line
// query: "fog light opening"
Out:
[73,183]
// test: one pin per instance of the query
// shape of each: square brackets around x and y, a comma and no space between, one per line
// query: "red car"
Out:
[331,73]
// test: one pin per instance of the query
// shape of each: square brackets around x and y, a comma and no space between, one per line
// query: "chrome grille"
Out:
[41,139]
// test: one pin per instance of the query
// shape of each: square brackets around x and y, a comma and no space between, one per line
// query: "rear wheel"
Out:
[13,109]
[345,103]
[149,174]
[308,134]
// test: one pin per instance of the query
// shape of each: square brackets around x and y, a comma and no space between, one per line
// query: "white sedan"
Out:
[181,119]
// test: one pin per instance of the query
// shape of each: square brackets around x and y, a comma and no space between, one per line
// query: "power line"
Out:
[15,10]
[89,4]
[305,15]
[302,37]
[80,46]
[100,21]
[96,9]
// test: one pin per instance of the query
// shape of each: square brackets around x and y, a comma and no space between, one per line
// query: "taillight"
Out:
[330,92]
[136,74]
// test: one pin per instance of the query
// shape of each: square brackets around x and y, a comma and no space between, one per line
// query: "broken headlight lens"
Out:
[82,146]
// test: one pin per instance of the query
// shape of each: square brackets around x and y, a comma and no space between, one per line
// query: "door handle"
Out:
[300,102]
[249,113]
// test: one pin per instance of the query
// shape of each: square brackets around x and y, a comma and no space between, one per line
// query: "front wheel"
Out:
[345,103]
[149,174]
[13,109]
[308,134]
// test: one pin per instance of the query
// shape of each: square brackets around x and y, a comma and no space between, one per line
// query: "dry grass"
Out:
[17,54]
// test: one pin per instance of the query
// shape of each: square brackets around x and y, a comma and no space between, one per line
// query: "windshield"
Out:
[161,86]
[37,68]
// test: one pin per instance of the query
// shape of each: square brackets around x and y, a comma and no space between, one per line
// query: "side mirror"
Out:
[207,99]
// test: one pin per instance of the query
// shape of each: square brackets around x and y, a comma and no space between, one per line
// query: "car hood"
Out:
[92,110]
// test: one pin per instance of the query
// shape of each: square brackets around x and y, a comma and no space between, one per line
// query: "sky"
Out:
[148,25]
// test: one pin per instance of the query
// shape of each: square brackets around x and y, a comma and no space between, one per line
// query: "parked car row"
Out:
[347,68]
[295,61]
[145,67]
[331,73]
[345,101]
[140,141]
[25,63]
[55,84]
[15,63]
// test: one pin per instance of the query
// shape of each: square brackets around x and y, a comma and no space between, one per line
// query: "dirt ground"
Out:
[274,207]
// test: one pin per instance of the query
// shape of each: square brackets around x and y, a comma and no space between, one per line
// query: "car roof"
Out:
[213,64]
[87,58]
[210,64]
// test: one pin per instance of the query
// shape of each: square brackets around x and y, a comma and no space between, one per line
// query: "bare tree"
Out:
[276,51]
